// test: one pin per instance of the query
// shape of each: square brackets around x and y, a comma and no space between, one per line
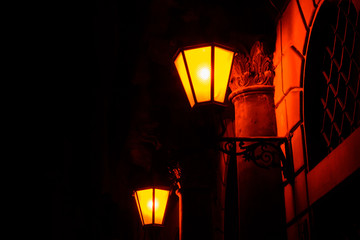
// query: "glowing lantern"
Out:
[151,204]
[204,72]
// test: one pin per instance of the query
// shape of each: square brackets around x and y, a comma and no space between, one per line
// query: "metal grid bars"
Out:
[331,85]
[340,97]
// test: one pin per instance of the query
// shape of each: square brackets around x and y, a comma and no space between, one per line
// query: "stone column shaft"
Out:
[260,191]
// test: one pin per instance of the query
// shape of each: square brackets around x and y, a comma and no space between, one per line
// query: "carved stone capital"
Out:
[255,69]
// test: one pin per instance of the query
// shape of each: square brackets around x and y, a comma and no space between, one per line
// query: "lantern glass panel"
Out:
[199,65]
[138,207]
[161,197]
[180,66]
[222,66]
[145,198]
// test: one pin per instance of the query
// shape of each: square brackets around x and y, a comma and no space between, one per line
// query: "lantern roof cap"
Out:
[200,45]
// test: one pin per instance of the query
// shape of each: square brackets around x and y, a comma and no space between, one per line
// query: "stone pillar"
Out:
[260,191]
[254,111]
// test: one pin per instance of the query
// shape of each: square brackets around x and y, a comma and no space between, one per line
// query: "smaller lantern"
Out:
[151,204]
[204,72]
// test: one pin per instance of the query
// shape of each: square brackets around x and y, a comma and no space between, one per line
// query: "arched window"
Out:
[331,90]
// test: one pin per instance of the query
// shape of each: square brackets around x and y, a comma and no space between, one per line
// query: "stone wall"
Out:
[293,35]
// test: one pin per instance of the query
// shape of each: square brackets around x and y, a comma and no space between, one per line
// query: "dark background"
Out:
[112,106]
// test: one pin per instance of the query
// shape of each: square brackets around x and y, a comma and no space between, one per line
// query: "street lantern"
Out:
[151,204]
[204,72]
[254,144]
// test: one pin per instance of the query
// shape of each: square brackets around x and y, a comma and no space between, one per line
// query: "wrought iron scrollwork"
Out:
[175,176]
[264,152]
[229,147]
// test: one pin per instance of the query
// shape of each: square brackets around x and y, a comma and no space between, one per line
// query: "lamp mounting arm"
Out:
[265,152]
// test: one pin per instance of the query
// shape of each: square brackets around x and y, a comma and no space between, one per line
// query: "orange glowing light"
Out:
[150,204]
[150,213]
[204,72]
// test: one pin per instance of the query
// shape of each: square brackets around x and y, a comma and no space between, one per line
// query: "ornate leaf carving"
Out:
[254,69]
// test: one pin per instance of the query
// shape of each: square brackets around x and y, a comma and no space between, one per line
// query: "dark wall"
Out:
[112,106]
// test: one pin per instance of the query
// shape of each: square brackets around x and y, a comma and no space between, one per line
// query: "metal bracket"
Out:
[265,152]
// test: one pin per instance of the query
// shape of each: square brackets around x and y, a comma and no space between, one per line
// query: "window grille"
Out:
[331,91]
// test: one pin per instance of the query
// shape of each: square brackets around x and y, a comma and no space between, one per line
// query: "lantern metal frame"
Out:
[153,224]
[212,83]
